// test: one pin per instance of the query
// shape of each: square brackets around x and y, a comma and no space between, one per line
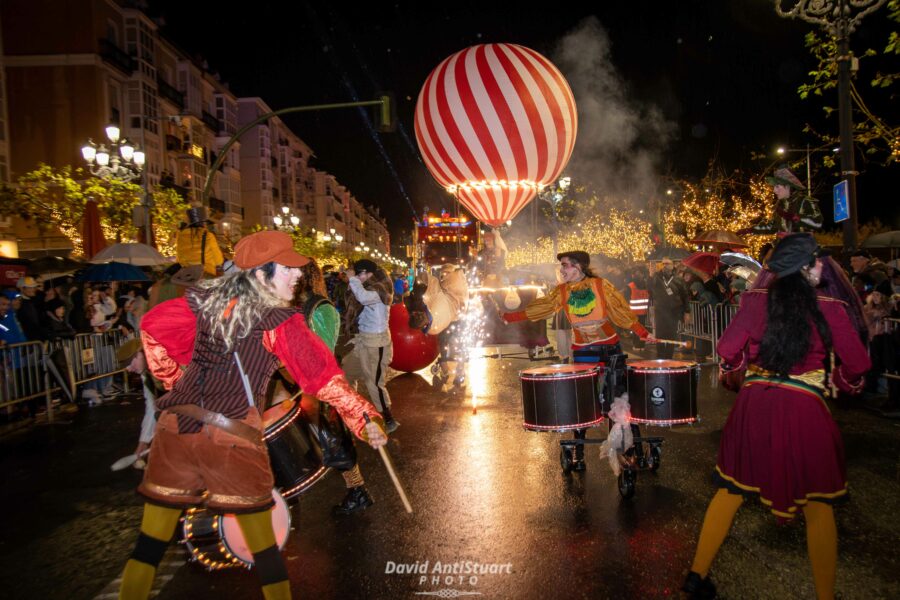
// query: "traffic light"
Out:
[386,113]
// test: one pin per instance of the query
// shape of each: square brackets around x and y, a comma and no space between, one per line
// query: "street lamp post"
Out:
[286,219]
[781,151]
[116,158]
[553,194]
[836,18]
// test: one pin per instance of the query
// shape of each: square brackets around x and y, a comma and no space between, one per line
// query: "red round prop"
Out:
[495,123]
[413,350]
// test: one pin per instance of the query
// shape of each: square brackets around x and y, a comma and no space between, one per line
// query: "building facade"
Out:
[101,62]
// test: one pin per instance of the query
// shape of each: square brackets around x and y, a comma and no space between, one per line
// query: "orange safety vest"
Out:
[640,300]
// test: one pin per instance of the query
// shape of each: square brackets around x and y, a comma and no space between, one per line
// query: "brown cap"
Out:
[263,247]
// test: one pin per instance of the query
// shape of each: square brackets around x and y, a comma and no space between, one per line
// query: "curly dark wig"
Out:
[792,307]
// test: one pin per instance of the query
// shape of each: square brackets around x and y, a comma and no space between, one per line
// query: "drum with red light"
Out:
[217,542]
[663,392]
[561,397]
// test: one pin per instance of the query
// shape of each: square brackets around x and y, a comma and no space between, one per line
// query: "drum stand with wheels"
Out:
[637,458]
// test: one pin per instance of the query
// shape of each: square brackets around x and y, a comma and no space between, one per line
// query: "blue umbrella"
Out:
[112,271]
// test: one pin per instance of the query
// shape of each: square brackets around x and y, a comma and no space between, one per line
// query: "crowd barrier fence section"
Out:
[25,369]
[892,327]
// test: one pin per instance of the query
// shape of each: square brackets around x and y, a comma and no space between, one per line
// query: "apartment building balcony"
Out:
[115,56]
[173,143]
[210,121]
[170,93]
[217,205]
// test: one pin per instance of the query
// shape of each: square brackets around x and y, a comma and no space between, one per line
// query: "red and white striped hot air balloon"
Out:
[495,123]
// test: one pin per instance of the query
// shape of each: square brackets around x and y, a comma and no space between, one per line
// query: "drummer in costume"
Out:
[780,442]
[224,336]
[593,306]
[323,319]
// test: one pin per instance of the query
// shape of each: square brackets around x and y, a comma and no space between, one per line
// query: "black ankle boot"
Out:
[357,498]
[390,423]
[698,588]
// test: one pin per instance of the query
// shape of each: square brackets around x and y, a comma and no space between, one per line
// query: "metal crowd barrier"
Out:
[25,375]
[891,326]
[708,322]
[22,374]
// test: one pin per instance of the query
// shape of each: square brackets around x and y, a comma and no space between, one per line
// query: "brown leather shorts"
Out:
[227,473]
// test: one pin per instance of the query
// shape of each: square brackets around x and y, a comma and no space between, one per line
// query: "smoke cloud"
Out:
[620,140]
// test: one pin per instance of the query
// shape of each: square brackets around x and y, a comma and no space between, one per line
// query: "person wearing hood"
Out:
[56,325]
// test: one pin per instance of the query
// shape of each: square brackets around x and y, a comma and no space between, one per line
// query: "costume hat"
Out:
[264,247]
[783,176]
[792,253]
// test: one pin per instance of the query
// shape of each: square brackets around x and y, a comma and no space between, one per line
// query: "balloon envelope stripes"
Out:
[495,123]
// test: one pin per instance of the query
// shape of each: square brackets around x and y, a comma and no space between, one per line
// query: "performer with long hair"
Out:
[780,442]
[230,333]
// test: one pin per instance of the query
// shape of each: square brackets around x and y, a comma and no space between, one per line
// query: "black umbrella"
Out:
[53,264]
[112,271]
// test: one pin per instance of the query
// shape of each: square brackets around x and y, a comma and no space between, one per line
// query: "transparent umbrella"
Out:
[140,255]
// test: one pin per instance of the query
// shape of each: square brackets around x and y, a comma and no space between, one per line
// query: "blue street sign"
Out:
[841,204]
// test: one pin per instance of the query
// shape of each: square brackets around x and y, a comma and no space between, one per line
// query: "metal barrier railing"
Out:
[22,374]
[708,322]
[891,326]
[25,375]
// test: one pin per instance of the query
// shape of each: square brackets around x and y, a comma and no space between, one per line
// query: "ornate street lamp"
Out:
[118,159]
[837,18]
[286,219]
[115,159]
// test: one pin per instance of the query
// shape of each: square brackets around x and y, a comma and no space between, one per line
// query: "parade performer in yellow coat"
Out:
[593,306]
[197,245]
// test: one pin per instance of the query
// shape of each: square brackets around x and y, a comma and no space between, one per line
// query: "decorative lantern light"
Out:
[494,124]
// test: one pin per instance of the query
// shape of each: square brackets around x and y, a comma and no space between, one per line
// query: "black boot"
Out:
[698,588]
[390,423]
[357,498]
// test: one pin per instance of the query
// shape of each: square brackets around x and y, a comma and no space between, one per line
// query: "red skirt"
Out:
[781,444]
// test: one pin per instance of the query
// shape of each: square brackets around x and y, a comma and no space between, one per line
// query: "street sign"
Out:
[841,204]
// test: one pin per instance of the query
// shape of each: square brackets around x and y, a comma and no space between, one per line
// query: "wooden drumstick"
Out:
[390,469]
[685,344]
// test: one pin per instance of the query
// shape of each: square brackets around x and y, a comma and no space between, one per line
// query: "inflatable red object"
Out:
[413,350]
[494,124]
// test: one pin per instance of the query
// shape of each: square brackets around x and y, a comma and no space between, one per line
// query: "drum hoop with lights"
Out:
[674,390]
[276,419]
[573,405]
[216,540]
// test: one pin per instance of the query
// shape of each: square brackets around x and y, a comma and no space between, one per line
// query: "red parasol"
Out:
[91,234]
[720,238]
[703,262]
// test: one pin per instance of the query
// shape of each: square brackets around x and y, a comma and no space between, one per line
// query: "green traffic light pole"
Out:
[384,102]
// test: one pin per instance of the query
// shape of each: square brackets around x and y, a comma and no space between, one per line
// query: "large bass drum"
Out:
[561,397]
[294,453]
[663,392]
[217,542]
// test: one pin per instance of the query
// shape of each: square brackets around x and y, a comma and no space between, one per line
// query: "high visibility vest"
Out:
[640,300]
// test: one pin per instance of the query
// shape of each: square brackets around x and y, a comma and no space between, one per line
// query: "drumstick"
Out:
[390,469]
[685,344]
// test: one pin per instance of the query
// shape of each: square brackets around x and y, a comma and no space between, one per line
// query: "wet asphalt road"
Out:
[483,490]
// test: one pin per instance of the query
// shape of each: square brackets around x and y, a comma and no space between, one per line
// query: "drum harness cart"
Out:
[545,413]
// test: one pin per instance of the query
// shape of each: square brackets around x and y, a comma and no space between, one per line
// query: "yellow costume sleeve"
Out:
[544,308]
[619,312]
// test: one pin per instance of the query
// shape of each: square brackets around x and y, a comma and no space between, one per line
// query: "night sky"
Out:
[720,78]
